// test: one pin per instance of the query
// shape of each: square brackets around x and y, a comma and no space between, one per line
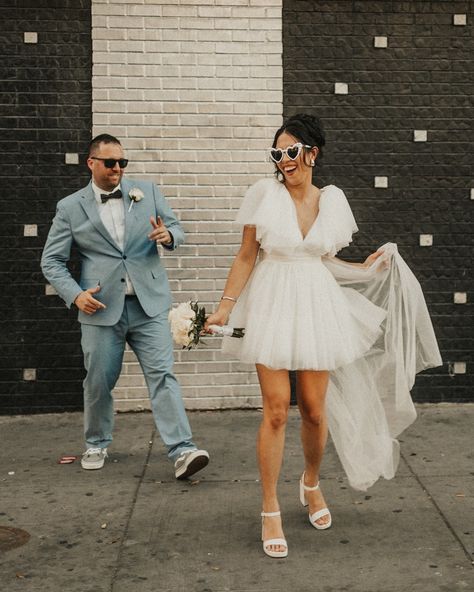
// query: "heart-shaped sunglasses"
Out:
[292,152]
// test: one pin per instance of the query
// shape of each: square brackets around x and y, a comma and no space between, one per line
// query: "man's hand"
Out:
[160,233]
[87,303]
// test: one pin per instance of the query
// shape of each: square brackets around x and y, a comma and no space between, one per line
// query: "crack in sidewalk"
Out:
[439,511]
[130,513]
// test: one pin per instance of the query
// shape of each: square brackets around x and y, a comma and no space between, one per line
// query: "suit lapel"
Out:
[90,207]
[130,214]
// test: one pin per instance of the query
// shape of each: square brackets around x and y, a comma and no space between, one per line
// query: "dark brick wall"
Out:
[421,81]
[46,110]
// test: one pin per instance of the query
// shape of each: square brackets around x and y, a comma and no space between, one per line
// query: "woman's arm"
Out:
[367,263]
[239,274]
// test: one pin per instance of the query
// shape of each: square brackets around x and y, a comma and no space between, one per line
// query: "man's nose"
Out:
[116,168]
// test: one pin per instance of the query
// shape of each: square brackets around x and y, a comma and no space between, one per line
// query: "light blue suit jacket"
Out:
[103,263]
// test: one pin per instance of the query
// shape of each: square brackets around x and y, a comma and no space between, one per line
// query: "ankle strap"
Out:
[270,513]
[307,487]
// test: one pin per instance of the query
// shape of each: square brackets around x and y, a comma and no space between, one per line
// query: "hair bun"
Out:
[313,125]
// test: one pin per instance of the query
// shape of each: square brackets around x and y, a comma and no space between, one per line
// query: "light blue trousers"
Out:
[103,349]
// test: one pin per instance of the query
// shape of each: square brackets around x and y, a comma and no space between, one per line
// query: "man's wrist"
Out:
[169,245]
[76,297]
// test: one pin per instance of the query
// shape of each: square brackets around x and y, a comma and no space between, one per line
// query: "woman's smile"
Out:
[289,168]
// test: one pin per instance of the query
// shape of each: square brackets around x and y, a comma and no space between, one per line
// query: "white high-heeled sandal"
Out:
[268,542]
[319,513]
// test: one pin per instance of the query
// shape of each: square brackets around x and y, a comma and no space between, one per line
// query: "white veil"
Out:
[368,401]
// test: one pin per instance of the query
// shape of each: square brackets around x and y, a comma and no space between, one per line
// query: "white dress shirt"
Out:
[112,214]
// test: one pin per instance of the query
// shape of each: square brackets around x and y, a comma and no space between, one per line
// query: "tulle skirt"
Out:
[297,317]
[369,326]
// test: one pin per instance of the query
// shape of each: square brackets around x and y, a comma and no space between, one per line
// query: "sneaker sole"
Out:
[195,465]
[88,466]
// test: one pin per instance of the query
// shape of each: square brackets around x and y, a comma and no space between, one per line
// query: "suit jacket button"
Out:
[124,257]
[122,280]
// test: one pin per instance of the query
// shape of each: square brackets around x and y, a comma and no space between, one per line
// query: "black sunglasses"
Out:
[111,162]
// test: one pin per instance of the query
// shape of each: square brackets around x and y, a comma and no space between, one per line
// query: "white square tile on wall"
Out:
[459,20]
[30,230]
[380,42]
[381,182]
[29,374]
[460,297]
[420,135]
[71,158]
[426,240]
[30,37]
[459,367]
[341,88]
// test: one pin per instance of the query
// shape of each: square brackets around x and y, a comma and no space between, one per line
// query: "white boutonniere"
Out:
[135,195]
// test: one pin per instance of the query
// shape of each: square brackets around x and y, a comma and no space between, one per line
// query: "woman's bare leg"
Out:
[275,386]
[311,395]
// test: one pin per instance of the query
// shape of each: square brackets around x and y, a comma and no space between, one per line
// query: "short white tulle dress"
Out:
[304,309]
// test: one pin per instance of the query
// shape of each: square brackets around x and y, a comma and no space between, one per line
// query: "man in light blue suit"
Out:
[123,295]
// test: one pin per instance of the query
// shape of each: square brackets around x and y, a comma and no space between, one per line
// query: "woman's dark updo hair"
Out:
[307,129]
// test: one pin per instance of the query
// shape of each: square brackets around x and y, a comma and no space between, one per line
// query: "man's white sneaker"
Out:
[94,458]
[190,462]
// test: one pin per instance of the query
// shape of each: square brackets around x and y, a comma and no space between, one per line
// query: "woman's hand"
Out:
[216,318]
[371,258]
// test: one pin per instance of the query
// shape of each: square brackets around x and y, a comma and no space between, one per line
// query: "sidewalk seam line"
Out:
[130,513]
[438,509]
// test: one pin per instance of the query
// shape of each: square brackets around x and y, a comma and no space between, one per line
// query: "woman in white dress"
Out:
[299,313]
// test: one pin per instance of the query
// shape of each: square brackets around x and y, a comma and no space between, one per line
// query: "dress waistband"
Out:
[290,257]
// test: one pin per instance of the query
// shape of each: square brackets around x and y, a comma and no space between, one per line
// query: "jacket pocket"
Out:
[158,274]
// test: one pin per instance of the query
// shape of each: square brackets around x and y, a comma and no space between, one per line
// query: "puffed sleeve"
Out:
[339,223]
[248,213]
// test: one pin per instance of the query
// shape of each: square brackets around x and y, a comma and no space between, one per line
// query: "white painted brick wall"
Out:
[193,88]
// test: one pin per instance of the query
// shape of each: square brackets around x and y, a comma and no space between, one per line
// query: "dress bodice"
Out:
[268,206]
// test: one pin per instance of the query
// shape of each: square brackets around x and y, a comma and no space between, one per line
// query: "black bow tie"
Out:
[115,195]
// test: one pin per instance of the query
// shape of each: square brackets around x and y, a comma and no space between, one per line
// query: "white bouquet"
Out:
[187,322]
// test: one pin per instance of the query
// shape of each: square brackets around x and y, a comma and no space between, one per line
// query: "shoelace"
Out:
[91,451]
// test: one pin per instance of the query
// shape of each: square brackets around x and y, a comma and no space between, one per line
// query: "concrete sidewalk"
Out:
[132,527]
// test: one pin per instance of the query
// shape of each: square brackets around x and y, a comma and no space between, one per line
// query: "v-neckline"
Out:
[304,237]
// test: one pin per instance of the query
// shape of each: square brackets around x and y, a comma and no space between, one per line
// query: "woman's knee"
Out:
[276,416]
[314,417]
